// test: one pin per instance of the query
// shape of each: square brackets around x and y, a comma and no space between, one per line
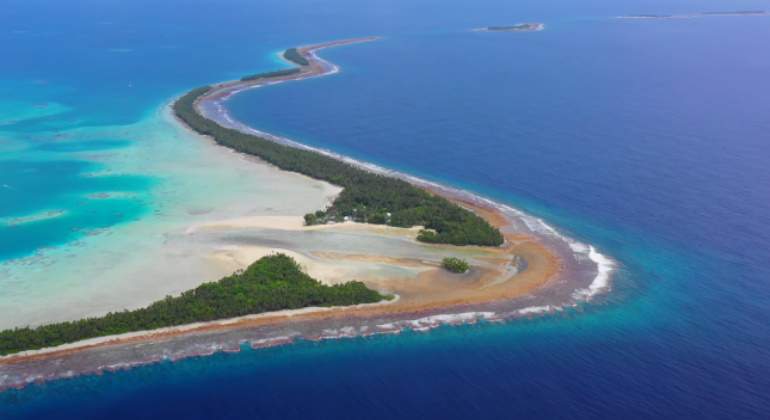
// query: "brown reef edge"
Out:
[534,271]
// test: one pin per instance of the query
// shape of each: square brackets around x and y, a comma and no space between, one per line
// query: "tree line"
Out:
[272,283]
[293,55]
[267,75]
[366,197]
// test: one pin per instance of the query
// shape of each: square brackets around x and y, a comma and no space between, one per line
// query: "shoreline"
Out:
[93,275]
[557,273]
[212,106]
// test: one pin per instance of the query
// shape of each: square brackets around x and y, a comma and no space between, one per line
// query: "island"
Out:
[424,234]
[519,27]
[737,13]
[653,16]
[272,283]
[366,196]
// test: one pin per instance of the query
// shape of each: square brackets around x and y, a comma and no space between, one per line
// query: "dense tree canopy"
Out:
[277,73]
[293,55]
[366,196]
[272,283]
[455,265]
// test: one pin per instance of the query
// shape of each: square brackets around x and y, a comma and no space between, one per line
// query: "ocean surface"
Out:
[645,138]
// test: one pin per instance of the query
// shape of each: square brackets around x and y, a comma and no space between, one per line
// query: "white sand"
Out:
[213,211]
[134,264]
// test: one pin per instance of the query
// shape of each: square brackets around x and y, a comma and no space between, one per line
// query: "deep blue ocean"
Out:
[646,138]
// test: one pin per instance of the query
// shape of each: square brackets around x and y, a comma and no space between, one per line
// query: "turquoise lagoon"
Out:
[644,138]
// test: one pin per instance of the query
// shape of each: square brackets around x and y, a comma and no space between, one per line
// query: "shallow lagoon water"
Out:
[102,220]
[644,138]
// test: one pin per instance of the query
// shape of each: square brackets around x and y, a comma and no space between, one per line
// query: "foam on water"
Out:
[218,111]
[538,310]
[663,166]
[434,321]
[202,347]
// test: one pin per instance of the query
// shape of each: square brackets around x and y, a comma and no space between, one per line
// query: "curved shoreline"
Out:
[212,106]
[570,280]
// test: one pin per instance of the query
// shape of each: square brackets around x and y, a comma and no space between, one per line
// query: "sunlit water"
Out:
[646,138]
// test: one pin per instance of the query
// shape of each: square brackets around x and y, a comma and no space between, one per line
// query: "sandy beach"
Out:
[537,270]
[95,274]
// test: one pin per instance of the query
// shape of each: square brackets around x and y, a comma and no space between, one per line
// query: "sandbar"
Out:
[537,270]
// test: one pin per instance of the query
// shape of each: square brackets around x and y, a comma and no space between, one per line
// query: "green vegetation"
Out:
[293,55]
[508,28]
[366,197]
[272,283]
[267,75]
[455,265]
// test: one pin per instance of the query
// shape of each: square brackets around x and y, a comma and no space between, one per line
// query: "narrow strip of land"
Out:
[366,197]
[653,16]
[371,196]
